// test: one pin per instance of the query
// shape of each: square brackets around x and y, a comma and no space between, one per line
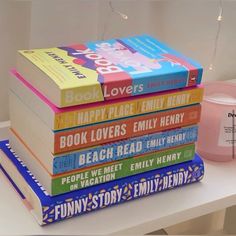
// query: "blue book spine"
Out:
[105,195]
[124,149]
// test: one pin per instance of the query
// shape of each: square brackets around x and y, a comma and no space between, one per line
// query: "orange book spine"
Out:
[82,137]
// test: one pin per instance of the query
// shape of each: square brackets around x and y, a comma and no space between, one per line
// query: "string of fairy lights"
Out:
[113,10]
[122,15]
[215,42]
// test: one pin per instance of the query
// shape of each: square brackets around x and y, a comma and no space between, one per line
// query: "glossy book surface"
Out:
[111,69]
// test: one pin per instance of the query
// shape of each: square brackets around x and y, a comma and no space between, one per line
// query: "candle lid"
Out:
[220,92]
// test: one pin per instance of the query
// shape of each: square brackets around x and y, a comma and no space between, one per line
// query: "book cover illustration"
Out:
[117,68]
[97,197]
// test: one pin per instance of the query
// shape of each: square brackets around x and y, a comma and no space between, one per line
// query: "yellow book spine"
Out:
[131,107]
[81,95]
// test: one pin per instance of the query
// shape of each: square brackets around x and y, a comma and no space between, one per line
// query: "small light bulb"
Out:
[123,16]
[211,67]
[219,18]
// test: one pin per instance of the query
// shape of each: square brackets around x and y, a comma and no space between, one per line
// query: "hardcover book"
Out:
[48,209]
[106,70]
[38,136]
[62,118]
[86,177]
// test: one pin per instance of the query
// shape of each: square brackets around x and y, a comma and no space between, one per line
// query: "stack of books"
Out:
[97,124]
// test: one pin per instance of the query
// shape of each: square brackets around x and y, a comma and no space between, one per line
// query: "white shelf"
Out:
[216,191]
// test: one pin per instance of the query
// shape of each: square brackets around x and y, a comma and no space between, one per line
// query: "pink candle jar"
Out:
[217,129]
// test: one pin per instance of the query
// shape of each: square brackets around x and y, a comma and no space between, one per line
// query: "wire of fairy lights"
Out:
[122,15]
[216,40]
[113,10]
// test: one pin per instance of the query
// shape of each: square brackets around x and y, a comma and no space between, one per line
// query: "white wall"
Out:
[187,25]
[14,34]
[60,22]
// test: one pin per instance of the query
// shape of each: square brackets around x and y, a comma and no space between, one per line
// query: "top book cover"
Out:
[106,70]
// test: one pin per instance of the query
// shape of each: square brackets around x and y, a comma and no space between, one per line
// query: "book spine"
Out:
[111,111]
[123,190]
[112,90]
[77,138]
[120,169]
[124,149]
[126,88]
[81,95]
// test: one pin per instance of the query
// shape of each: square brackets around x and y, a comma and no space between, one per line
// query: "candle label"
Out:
[227,127]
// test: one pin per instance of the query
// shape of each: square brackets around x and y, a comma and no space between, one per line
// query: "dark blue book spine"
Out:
[123,190]
[97,197]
